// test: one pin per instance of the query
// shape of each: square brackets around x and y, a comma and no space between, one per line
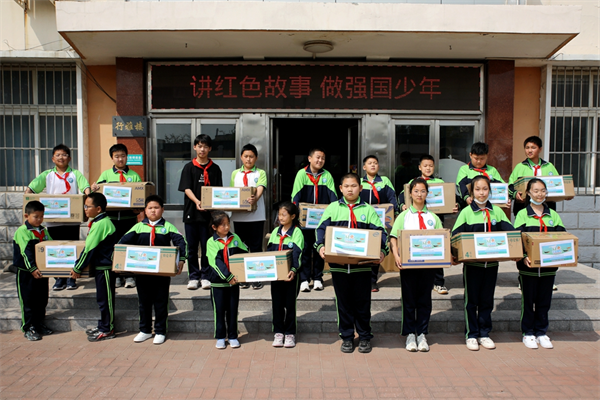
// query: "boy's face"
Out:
[478,161]
[202,150]
[427,167]
[91,211]
[248,159]
[532,151]
[371,167]
[316,161]
[119,159]
[154,211]
[35,218]
[61,159]
[350,189]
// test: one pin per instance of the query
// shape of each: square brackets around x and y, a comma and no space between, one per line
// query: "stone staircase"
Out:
[575,306]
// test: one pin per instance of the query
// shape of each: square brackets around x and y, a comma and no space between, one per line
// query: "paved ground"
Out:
[65,365]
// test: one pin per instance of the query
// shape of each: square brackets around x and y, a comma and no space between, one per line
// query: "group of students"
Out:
[353,284]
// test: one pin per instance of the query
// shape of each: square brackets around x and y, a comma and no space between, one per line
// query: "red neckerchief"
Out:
[426,177]
[204,170]
[39,235]
[67,184]
[421,220]
[482,171]
[489,222]
[152,234]
[121,176]
[246,176]
[281,239]
[225,250]
[352,216]
[374,190]
[90,223]
[315,182]
[536,168]
[542,224]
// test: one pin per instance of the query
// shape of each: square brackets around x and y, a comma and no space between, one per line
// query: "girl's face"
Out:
[538,192]
[285,218]
[418,194]
[481,191]
[223,229]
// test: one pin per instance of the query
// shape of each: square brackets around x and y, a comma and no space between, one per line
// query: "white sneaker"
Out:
[205,284]
[411,342]
[422,343]
[220,344]
[472,344]
[130,282]
[234,343]
[142,337]
[304,287]
[318,285]
[193,284]
[278,341]
[159,339]
[545,342]
[530,342]
[487,343]
[290,341]
[440,289]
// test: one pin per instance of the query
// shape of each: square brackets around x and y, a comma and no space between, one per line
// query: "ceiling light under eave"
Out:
[318,46]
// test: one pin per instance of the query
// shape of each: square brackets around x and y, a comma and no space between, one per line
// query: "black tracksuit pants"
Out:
[353,301]
[416,300]
[105,297]
[225,307]
[480,285]
[283,299]
[196,236]
[251,234]
[33,297]
[153,291]
[312,263]
[536,292]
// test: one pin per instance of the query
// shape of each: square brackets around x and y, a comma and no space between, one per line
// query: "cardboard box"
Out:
[261,267]
[310,214]
[386,214]
[56,258]
[560,187]
[487,246]
[227,198]
[351,246]
[550,249]
[441,198]
[126,195]
[499,195]
[59,207]
[425,248]
[146,260]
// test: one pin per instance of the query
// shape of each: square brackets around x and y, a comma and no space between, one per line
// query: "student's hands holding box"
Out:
[180,267]
[36,274]
[290,276]
[74,275]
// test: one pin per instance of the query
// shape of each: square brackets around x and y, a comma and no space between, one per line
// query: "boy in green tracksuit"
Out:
[313,184]
[126,219]
[97,254]
[32,288]
[352,283]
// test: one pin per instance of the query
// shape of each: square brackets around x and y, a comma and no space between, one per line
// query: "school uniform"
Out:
[225,296]
[249,225]
[528,168]
[153,291]
[480,277]
[197,223]
[416,284]
[97,254]
[352,282]
[32,292]
[466,173]
[284,294]
[314,188]
[126,219]
[536,283]
[378,191]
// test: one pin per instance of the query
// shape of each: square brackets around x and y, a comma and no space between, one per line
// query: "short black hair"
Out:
[480,149]
[62,147]
[98,200]
[249,147]
[34,206]
[533,139]
[350,175]
[314,149]
[426,157]
[370,156]
[117,147]
[204,139]
[156,198]
[415,182]
[217,218]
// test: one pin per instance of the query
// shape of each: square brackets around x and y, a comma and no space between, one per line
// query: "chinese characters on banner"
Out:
[315,87]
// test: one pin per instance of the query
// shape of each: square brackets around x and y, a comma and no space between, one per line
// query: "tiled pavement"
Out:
[66,365]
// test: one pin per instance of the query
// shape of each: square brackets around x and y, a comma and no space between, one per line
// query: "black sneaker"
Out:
[257,285]
[244,285]
[71,284]
[98,336]
[91,331]
[60,284]
[32,334]
[44,330]
[364,346]
[374,287]
[347,346]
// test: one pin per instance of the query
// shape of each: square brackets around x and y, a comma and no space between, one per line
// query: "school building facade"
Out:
[397,79]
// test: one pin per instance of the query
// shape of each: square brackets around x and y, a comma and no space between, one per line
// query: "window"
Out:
[574,120]
[37,112]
